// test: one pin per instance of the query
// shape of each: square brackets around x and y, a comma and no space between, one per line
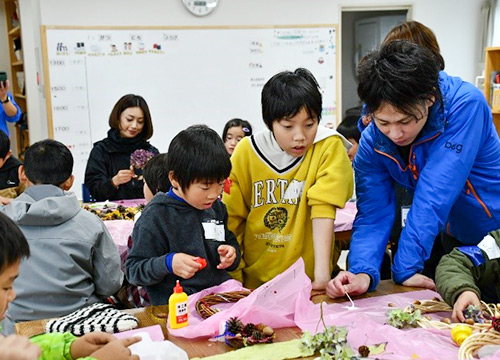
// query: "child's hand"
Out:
[89,343]
[465,299]
[5,201]
[227,256]
[117,350]
[15,347]
[185,266]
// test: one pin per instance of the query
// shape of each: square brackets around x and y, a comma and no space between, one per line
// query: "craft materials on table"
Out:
[284,302]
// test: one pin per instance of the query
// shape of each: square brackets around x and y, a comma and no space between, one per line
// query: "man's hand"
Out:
[419,280]
[89,343]
[185,266]
[15,347]
[465,299]
[345,281]
[227,256]
[117,350]
[4,87]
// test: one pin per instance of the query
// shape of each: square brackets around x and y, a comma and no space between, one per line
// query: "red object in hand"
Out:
[202,262]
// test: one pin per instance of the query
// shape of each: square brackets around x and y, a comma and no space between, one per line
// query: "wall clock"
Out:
[200,7]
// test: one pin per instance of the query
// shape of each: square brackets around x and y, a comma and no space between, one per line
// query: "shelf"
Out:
[18,63]
[496,112]
[15,31]
[20,96]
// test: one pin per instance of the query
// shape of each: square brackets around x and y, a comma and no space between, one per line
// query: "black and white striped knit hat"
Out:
[96,317]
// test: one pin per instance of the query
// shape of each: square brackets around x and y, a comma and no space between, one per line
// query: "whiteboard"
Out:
[186,75]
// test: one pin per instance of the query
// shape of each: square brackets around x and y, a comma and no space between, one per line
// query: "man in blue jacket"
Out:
[434,135]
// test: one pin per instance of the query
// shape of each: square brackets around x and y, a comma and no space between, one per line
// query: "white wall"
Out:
[457,36]
[496,24]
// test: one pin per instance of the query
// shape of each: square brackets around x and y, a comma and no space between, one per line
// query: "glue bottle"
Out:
[178,308]
[460,332]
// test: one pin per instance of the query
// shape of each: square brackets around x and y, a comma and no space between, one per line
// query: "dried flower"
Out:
[401,319]
[140,158]
[474,313]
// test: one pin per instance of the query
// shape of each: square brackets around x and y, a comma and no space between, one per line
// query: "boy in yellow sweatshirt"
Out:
[286,184]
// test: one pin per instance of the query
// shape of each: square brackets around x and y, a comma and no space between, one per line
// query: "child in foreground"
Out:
[101,346]
[181,229]
[287,183]
[470,273]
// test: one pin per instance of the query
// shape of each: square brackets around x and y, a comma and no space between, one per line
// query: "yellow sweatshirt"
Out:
[273,198]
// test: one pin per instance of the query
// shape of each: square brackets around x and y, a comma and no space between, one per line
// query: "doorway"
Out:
[362,30]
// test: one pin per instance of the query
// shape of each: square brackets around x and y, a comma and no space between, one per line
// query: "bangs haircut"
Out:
[245,125]
[286,93]
[12,242]
[198,154]
[155,174]
[48,162]
[128,101]
[4,145]
[400,73]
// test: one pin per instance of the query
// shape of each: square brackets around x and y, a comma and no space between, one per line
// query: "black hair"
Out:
[4,145]
[48,162]
[155,174]
[400,73]
[198,154]
[245,125]
[13,244]
[128,101]
[287,92]
[349,127]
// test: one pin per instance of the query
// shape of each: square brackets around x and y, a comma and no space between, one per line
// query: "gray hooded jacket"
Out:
[73,259]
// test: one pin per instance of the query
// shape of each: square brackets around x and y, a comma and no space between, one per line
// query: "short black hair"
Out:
[245,125]
[155,174]
[13,244]
[400,73]
[349,127]
[4,145]
[198,154]
[287,92]
[48,162]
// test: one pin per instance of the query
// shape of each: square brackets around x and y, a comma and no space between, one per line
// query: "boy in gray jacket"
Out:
[74,261]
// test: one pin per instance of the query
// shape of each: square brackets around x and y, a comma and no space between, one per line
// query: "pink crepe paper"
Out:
[284,302]
[273,303]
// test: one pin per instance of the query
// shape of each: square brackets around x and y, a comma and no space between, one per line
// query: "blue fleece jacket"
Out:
[454,170]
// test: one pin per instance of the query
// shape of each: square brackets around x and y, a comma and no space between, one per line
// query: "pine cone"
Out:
[248,329]
[257,335]
[234,325]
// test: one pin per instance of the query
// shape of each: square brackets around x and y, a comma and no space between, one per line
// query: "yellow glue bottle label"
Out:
[178,308]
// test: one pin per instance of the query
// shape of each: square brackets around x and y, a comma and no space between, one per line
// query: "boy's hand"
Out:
[15,347]
[89,343]
[122,177]
[320,282]
[5,201]
[345,281]
[117,350]
[185,266]
[465,299]
[419,280]
[227,256]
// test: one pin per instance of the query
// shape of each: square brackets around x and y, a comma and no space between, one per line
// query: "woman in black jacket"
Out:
[109,175]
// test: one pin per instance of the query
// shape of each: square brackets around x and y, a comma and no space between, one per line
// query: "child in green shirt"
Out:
[100,346]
